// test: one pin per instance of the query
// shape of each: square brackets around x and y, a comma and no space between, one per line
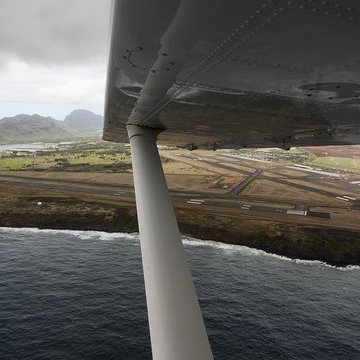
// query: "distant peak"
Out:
[82,111]
[84,120]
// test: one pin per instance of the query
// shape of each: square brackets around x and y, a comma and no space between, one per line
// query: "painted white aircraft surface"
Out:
[220,74]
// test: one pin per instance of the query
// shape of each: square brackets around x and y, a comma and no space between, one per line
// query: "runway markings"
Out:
[349,197]
[314,170]
[342,198]
[196,201]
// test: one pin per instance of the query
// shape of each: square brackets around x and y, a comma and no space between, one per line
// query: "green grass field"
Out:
[82,159]
[16,163]
[339,163]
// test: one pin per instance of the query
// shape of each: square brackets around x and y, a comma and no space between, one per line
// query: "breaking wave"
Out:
[256,252]
[189,241]
[82,234]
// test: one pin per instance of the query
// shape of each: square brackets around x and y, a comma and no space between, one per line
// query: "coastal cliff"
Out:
[334,246]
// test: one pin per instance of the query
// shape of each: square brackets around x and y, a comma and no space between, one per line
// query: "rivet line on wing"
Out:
[264,15]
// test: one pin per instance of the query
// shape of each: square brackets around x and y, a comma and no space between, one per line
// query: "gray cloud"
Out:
[54,32]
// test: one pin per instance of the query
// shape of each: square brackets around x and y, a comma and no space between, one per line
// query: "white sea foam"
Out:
[230,248]
[245,250]
[82,234]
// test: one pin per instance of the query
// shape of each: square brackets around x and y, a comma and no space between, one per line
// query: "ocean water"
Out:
[32,147]
[80,295]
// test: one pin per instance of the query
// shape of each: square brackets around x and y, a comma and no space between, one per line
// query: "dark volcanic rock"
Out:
[334,246]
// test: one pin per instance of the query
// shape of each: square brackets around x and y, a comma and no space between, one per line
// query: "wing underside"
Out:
[236,73]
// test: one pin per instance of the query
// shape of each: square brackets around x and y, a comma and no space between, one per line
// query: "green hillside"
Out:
[32,128]
[35,128]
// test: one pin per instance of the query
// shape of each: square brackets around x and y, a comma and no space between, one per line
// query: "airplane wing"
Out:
[220,74]
[233,74]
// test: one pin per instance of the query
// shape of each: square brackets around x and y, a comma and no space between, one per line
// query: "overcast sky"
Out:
[53,56]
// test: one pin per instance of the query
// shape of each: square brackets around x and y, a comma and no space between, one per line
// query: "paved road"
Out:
[277,180]
[237,189]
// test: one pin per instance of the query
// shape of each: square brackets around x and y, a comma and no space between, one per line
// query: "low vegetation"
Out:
[340,163]
[107,157]
[348,161]
[74,157]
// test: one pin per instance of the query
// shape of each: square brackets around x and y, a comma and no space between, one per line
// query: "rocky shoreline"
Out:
[333,246]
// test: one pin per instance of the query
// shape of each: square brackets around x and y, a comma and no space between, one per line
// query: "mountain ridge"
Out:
[36,128]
